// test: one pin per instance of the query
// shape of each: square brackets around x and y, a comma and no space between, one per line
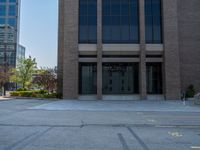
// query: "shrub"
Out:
[36,93]
[52,95]
[14,93]
[43,91]
[26,93]
[190,92]
[21,89]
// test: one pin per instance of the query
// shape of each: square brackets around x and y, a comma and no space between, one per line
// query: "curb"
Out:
[33,98]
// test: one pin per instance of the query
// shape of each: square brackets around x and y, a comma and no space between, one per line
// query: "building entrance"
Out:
[120,78]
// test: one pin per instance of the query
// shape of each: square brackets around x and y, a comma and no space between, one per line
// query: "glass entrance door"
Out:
[120,78]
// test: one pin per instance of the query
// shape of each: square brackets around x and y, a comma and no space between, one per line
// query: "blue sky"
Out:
[38,30]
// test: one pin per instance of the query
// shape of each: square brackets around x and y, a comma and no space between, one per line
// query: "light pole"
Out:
[5,67]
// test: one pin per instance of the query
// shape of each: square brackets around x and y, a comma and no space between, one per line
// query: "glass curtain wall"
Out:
[120,21]
[153,21]
[8,31]
[87,21]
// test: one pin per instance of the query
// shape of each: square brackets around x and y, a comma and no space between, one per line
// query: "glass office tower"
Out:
[9,31]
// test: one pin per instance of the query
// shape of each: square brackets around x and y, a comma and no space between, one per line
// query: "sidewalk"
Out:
[157,106]
[4,98]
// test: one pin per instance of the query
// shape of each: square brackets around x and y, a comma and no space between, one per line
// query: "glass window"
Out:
[88,21]
[11,61]
[2,10]
[120,21]
[12,10]
[10,58]
[154,78]
[12,22]
[2,21]
[88,78]
[153,21]
[2,1]
[12,1]
[11,47]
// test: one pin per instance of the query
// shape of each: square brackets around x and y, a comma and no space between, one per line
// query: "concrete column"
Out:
[99,49]
[142,65]
[171,50]
[70,54]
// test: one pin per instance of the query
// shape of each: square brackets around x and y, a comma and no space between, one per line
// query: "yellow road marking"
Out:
[195,147]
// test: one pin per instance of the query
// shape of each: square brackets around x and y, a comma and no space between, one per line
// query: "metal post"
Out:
[5,66]
[184,98]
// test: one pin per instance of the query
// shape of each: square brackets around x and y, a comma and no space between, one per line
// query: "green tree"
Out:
[46,79]
[24,71]
[5,73]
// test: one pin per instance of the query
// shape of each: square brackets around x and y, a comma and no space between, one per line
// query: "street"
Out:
[91,125]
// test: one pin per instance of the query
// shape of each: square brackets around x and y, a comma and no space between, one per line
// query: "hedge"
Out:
[36,93]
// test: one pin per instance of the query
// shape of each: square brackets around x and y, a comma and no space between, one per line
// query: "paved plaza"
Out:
[98,125]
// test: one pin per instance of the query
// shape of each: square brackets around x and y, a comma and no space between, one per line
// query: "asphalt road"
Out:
[68,125]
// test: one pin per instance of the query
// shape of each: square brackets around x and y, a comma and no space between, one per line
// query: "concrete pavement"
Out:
[162,106]
[88,125]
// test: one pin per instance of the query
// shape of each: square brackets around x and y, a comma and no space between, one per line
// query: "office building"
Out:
[9,31]
[128,49]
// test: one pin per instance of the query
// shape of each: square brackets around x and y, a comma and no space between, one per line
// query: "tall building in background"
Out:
[9,32]
[21,50]
[128,49]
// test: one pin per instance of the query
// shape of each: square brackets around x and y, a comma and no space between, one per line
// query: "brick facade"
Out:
[180,55]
